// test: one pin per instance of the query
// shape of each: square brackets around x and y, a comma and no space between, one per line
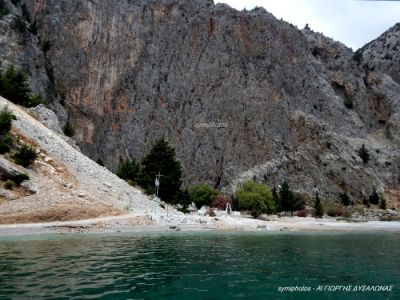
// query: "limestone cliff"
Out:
[297,105]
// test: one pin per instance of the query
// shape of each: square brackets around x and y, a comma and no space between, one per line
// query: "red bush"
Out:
[302,213]
[220,202]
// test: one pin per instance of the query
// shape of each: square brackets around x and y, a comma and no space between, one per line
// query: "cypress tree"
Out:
[382,204]
[161,158]
[286,198]
[318,209]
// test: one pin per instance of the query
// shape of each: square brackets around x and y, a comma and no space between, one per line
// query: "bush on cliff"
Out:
[25,156]
[6,118]
[364,154]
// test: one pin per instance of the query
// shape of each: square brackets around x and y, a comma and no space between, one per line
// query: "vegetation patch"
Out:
[25,156]
[14,87]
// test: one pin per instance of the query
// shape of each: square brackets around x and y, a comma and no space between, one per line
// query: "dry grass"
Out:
[61,212]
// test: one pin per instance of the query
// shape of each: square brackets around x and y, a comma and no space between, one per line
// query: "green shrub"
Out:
[374,198]
[6,118]
[345,199]
[35,100]
[25,13]
[19,24]
[19,178]
[3,9]
[25,156]
[349,104]
[129,170]
[33,28]
[183,210]
[331,212]
[9,184]
[182,197]
[364,154]
[69,130]
[6,142]
[256,198]
[382,204]
[46,46]
[201,194]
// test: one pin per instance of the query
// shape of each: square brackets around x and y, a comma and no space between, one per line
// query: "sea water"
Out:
[208,265]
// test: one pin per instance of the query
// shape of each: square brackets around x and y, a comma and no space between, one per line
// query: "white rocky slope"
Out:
[62,177]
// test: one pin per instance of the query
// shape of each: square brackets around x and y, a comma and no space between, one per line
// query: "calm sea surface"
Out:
[200,266]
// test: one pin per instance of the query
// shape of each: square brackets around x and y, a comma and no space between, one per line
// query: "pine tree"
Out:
[318,209]
[129,170]
[286,198]
[161,158]
[364,154]
[14,86]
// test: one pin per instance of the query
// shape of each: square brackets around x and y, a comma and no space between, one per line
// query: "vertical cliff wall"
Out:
[295,105]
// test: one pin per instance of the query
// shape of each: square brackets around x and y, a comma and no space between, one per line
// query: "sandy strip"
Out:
[145,223]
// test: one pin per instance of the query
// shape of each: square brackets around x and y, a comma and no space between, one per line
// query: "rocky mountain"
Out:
[383,54]
[239,94]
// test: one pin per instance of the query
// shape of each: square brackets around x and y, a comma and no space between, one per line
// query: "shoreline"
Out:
[132,223]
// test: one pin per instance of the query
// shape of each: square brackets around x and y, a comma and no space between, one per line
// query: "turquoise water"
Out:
[198,266]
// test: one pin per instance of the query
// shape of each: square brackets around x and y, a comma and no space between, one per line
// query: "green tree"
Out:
[275,197]
[382,204]
[201,194]
[129,170]
[318,209]
[256,198]
[374,198]
[364,154]
[345,199]
[14,86]
[286,198]
[68,129]
[6,118]
[161,158]
[6,140]
[183,198]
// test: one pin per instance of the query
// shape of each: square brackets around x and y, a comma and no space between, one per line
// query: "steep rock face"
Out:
[130,72]
[21,48]
[383,54]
